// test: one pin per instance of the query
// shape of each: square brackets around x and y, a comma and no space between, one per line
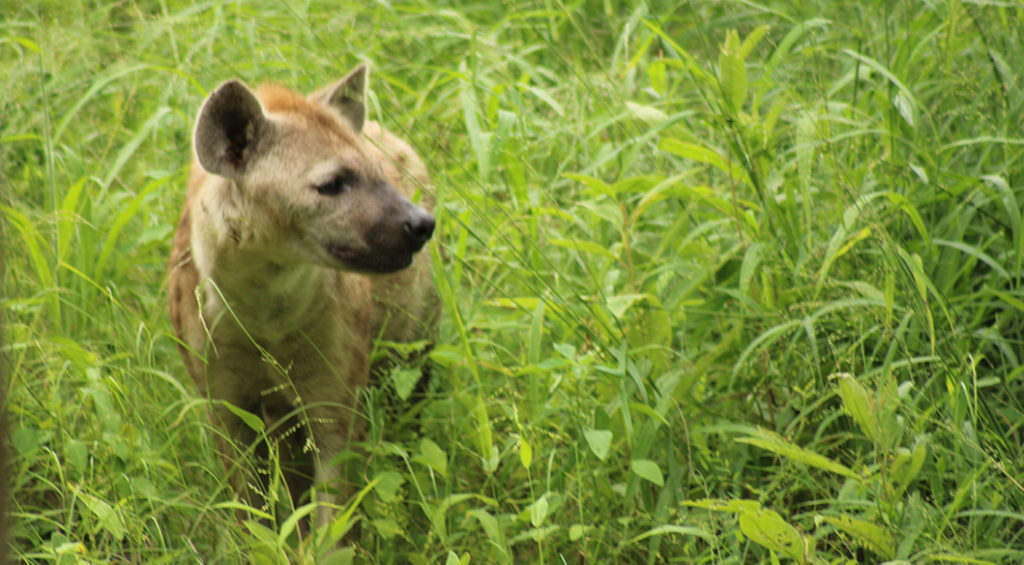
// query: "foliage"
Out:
[722,281]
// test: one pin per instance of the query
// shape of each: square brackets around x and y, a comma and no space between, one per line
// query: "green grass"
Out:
[722,281]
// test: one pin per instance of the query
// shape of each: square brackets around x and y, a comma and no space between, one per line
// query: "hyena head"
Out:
[307,185]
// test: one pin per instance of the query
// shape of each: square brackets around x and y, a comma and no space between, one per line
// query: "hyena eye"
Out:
[342,182]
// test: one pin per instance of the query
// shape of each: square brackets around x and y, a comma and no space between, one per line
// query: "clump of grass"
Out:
[721,282]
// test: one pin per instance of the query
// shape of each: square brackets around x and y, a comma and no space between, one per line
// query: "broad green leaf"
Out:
[387,528]
[835,252]
[30,238]
[904,204]
[874,537]
[110,520]
[388,483]
[68,218]
[545,97]
[490,525]
[264,541]
[648,411]
[490,461]
[636,184]
[752,39]
[521,303]
[599,441]
[252,420]
[620,303]
[604,209]
[693,152]
[914,263]
[924,284]
[596,185]
[779,446]
[484,435]
[664,189]
[242,507]
[767,528]
[437,520]
[905,107]
[1008,298]
[649,470]
[584,245]
[732,73]
[656,74]
[539,511]
[289,525]
[722,505]
[432,456]
[525,452]
[28,44]
[907,464]
[921,172]
[649,114]
[76,452]
[405,381]
[857,404]
[454,559]
[976,253]
[702,155]
[908,95]
[641,49]
[751,260]
[26,440]
[343,522]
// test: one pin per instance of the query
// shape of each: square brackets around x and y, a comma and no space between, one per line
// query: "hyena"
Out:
[297,247]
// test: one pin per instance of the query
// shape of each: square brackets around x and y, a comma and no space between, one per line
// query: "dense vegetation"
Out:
[722,281]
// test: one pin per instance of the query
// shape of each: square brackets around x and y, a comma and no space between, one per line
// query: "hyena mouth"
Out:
[369,262]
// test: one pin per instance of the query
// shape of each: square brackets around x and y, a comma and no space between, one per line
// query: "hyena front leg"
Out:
[233,378]
[333,431]
[327,393]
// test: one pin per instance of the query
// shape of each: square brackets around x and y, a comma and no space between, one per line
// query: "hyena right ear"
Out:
[347,96]
[230,124]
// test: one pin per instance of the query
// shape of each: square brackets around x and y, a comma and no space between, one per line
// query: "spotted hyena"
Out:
[297,247]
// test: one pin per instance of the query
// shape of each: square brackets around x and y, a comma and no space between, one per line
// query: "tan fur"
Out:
[266,292]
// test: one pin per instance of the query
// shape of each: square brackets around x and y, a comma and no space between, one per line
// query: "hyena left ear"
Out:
[348,96]
[228,129]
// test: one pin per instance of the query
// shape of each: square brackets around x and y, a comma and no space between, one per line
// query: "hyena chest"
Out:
[269,350]
[289,311]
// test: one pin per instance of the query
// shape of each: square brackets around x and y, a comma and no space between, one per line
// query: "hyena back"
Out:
[298,245]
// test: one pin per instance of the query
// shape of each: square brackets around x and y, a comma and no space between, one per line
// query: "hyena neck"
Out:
[241,271]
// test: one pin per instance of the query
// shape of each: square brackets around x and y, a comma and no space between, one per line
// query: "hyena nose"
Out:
[418,228]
